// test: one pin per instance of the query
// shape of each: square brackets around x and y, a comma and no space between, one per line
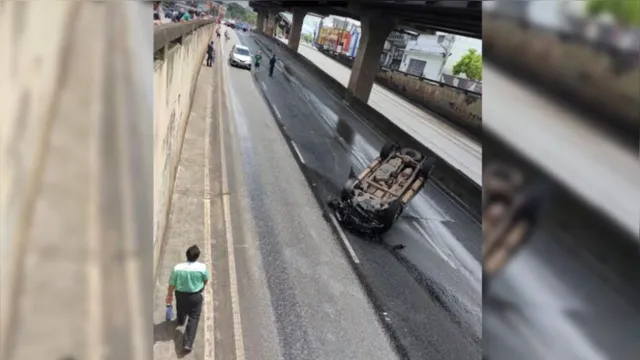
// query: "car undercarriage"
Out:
[372,201]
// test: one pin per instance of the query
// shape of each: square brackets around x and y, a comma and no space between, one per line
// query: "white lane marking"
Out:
[295,147]
[275,109]
[209,332]
[264,87]
[437,248]
[344,239]
[233,276]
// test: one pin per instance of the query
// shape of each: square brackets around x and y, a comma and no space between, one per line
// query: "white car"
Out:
[240,56]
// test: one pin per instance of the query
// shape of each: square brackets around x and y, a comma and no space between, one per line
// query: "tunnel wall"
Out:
[176,69]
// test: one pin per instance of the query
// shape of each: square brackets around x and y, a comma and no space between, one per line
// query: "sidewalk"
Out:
[185,228]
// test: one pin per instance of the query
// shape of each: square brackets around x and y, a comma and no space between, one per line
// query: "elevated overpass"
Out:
[378,18]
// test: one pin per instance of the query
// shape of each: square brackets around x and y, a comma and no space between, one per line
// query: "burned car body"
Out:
[371,202]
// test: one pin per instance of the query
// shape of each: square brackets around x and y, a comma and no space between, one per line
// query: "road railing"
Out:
[166,34]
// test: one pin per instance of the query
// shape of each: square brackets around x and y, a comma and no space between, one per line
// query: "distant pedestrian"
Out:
[210,52]
[272,64]
[188,280]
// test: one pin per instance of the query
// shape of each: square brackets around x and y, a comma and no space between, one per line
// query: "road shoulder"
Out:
[186,227]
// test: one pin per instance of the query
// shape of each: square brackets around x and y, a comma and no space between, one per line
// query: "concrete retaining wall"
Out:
[174,77]
[461,108]
[602,82]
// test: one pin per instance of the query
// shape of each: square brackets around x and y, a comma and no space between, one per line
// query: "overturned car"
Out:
[371,202]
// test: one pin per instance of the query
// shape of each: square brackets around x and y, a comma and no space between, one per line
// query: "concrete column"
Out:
[260,21]
[296,28]
[375,30]
[270,28]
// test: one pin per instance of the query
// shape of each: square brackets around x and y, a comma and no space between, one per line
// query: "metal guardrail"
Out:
[166,33]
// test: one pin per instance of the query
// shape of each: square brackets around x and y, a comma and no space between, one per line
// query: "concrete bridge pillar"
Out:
[270,28]
[260,21]
[296,28]
[375,30]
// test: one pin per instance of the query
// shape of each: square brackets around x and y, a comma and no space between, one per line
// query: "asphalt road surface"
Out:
[428,290]
[552,291]
[455,147]
[297,297]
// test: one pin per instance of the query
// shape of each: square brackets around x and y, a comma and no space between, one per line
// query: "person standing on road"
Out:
[272,64]
[210,52]
[256,61]
[188,280]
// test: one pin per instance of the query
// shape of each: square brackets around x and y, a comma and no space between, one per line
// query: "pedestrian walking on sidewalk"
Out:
[188,280]
[210,54]
[272,64]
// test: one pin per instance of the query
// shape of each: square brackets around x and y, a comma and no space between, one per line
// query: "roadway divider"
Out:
[458,186]
[179,51]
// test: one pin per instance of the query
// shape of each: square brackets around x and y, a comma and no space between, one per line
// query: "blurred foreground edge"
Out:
[76,181]
[600,80]
[562,278]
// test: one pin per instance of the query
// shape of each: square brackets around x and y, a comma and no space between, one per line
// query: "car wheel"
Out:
[347,189]
[387,149]
[391,214]
[427,168]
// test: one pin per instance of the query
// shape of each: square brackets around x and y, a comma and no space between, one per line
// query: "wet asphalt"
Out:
[551,302]
[298,296]
[425,277]
[572,292]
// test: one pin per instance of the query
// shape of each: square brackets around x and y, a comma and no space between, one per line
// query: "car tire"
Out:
[347,189]
[387,149]
[391,214]
[427,168]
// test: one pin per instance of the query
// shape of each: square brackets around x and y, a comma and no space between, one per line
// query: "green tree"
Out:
[251,17]
[627,12]
[235,11]
[469,65]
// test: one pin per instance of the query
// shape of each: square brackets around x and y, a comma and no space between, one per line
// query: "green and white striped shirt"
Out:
[189,277]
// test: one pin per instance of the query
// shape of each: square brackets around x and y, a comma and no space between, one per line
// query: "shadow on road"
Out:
[168,331]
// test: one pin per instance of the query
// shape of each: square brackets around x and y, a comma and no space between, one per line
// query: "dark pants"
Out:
[209,60]
[271,70]
[189,305]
